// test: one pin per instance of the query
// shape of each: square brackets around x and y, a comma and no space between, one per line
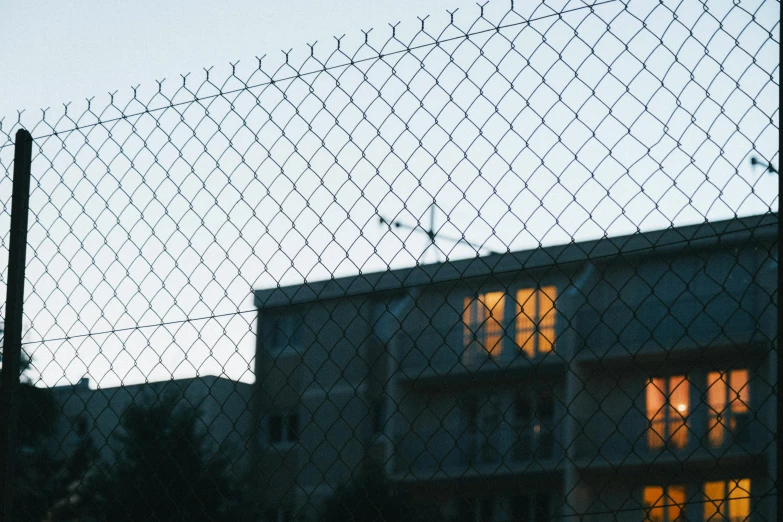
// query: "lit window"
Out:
[535,323]
[283,428]
[483,320]
[728,397]
[667,412]
[727,500]
[664,504]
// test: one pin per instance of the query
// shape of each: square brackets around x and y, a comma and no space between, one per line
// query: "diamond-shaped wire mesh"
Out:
[518,264]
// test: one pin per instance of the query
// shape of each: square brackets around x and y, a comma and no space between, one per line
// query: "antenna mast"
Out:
[432,234]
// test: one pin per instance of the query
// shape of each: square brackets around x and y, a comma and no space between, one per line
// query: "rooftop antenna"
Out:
[754,161]
[431,232]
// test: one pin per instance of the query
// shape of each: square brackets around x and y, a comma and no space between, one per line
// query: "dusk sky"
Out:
[560,130]
[59,52]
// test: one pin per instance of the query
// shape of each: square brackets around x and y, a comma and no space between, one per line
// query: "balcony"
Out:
[447,366]
[438,453]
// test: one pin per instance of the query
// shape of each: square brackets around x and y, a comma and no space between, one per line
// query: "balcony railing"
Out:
[504,447]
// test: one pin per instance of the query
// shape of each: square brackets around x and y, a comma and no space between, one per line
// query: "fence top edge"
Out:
[672,239]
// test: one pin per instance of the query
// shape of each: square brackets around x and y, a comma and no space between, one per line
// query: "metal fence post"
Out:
[12,344]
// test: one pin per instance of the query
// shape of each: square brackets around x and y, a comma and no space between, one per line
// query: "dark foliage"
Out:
[372,498]
[168,471]
[47,483]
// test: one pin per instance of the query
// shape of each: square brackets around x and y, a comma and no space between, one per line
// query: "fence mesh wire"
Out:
[515,264]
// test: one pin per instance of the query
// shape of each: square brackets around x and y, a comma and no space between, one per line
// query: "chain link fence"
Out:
[518,264]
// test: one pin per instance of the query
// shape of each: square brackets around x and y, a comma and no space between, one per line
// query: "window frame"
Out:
[666,503]
[474,336]
[536,331]
[492,433]
[675,424]
[536,433]
[722,507]
[285,331]
[509,326]
[286,437]
[725,420]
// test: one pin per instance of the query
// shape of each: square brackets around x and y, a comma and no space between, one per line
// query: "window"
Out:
[278,514]
[482,429]
[378,414]
[470,434]
[531,508]
[532,423]
[483,320]
[728,398]
[490,431]
[664,504]
[728,500]
[476,509]
[286,330]
[667,411]
[535,320]
[283,428]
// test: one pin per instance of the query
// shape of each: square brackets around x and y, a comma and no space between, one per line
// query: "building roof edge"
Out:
[762,227]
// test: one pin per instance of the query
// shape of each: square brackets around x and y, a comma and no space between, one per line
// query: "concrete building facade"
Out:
[626,378]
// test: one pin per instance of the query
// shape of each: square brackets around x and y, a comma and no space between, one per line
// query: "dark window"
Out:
[278,514]
[546,404]
[467,511]
[542,508]
[378,414]
[533,427]
[482,507]
[275,429]
[286,331]
[520,509]
[471,413]
[292,434]
[522,408]
[80,427]
[545,413]
[283,428]
[486,507]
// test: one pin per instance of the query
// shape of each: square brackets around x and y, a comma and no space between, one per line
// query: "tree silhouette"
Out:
[167,470]
[372,498]
[45,479]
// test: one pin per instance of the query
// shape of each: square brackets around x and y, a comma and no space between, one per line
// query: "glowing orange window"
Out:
[483,320]
[667,405]
[535,320]
[727,500]
[664,504]
[728,398]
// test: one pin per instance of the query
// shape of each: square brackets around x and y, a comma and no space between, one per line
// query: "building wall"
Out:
[621,320]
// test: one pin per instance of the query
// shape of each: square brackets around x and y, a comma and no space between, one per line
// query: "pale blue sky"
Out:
[180,213]
[56,51]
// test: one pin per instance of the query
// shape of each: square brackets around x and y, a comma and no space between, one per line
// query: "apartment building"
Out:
[627,378]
